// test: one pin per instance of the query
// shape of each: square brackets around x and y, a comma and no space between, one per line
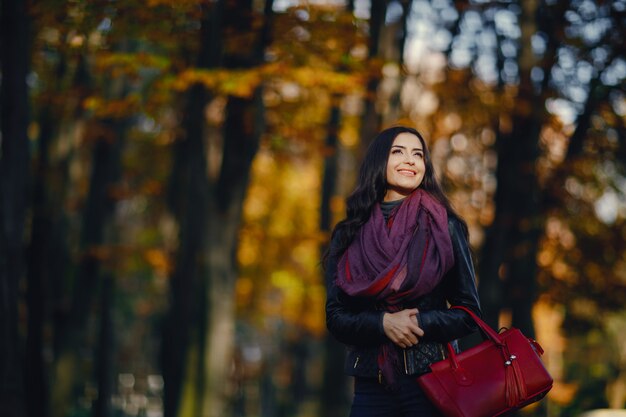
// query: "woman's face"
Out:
[405,166]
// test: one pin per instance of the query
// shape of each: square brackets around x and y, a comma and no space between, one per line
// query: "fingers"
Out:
[407,341]
[409,338]
[417,330]
[402,327]
[414,325]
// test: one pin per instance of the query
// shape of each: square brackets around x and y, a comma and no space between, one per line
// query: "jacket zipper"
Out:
[406,368]
[356,362]
[380,376]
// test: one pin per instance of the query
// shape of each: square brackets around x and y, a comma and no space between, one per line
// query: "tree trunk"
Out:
[98,210]
[188,201]
[371,120]
[508,264]
[105,352]
[394,110]
[14,162]
[242,132]
[334,398]
[243,126]
[35,369]
[39,260]
[188,197]
[52,243]
[216,209]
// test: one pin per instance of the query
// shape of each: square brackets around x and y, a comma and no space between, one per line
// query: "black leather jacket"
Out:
[355,322]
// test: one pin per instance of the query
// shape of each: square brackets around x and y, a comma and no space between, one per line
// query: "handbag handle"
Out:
[487,330]
[461,376]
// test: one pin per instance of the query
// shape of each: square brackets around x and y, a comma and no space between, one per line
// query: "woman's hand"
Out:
[402,327]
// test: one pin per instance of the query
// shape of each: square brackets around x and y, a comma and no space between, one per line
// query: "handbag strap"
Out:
[487,330]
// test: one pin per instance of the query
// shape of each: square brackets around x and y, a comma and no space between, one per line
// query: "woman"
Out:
[396,261]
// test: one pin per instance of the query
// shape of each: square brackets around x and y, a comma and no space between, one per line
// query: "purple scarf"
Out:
[398,261]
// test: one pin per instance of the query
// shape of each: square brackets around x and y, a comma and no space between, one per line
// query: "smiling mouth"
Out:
[407,172]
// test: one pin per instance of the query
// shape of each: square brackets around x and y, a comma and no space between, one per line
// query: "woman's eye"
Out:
[396,151]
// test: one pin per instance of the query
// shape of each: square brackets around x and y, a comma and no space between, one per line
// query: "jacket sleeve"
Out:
[349,322]
[459,286]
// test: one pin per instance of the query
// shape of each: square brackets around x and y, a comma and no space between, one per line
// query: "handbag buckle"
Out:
[510,361]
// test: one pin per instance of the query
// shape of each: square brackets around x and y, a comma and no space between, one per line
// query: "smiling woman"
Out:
[393,266]
[405,166]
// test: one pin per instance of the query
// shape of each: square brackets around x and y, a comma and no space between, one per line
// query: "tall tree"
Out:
[210,213]
[188,200]
[243,126]
[371,119]
[334,388]
[522,151]
[106,131]
[108,136]
[14,162]
[396,50]
[43,239]
[508,264]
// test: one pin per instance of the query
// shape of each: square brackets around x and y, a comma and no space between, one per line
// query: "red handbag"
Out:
[501,374]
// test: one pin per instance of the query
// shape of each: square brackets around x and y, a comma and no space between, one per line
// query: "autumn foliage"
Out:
[170,172]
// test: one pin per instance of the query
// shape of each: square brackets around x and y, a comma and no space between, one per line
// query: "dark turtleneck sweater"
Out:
[387,207]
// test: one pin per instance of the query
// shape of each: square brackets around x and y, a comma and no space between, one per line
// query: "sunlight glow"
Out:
[607,207]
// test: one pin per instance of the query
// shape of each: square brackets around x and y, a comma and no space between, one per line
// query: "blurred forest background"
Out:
[170,171]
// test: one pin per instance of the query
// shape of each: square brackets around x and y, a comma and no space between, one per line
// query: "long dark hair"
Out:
[372,186]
